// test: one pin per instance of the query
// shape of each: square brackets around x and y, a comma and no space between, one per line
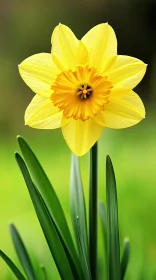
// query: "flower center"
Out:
[82,93]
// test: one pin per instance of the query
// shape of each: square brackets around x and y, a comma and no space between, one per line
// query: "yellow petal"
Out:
[42,114]
[125,71]
[80,136]
[101,44]
[39,71]
[124,109]
[82,54]
[66,48]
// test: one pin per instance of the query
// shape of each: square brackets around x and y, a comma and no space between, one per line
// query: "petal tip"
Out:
[26,123]
[19,66]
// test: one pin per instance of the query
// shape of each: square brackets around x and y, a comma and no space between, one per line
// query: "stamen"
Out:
[84,91]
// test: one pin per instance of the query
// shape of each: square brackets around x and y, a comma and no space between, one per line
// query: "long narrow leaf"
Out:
[44,272]
[12,266]
[70,260]
[47,225]
[87,274]
[113,246]
[44,186]
[103,217]
[125,257]
[78,213]
[22,253]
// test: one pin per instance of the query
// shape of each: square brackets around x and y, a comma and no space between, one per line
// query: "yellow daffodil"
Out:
[83,86]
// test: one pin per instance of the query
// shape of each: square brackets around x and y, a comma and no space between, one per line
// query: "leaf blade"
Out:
[78,213]
[47,224]
[12,266]
[113,246]
[22,253]
[103,217]
[44,272]
[125,257]
[45,188]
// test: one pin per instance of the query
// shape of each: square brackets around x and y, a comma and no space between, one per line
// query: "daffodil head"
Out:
[83,86]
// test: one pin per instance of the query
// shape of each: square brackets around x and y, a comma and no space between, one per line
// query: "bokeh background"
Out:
[25,29]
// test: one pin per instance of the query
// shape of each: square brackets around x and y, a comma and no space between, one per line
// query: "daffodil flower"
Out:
[83,86]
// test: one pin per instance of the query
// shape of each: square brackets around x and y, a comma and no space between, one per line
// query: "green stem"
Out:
[93,190]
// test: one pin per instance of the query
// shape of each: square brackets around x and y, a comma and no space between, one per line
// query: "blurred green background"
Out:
[25,29]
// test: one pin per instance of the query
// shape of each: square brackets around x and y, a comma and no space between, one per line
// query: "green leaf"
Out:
[44,186]
[103,217]
[44,272]
[87,273]
[125,257]
[12,266]
[78,213]
[22,253]
[47,225]
[113,246]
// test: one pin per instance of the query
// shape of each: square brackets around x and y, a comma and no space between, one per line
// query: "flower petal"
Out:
[80,136]
[67,50]
[82,54]
[101,44]
[124,109]
[125,71]
[39,71]
[42,114]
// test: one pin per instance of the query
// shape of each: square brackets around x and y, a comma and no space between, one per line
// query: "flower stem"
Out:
[93,190]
